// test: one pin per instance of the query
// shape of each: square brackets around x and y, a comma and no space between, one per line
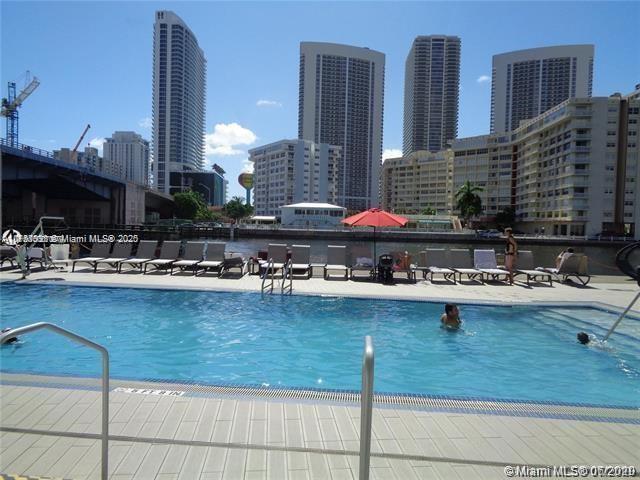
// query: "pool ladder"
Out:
[268,278]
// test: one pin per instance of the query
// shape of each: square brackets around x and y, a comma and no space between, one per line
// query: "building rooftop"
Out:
[314,205]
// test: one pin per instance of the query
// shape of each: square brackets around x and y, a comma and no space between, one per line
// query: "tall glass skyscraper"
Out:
[527,83]
[431,84]
[179,89]
[341,103]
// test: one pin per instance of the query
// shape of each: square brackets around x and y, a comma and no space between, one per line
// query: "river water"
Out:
[601,259]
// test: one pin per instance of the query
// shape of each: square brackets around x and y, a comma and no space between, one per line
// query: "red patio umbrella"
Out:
[374,217]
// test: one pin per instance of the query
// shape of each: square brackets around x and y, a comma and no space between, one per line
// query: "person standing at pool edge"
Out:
[510,252]
[451,316]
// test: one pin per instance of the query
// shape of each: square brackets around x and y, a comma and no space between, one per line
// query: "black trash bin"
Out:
[385,269]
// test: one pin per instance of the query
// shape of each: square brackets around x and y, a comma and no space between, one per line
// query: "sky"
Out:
[94,61]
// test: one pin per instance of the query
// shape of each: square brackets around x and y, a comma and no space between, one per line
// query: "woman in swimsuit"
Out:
[510,253]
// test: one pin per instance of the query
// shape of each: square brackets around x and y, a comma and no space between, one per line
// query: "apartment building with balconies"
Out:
[294,171]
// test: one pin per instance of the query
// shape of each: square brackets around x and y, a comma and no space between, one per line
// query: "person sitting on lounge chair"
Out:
[451,317]
[563,255]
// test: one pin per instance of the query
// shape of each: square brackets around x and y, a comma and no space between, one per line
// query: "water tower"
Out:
[245,180]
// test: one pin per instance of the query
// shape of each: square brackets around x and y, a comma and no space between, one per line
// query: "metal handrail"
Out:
[269,268]
[366,407]
[287,273]
[14,332]
[622,315]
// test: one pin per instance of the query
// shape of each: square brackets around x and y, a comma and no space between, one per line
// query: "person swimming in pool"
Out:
[451,317]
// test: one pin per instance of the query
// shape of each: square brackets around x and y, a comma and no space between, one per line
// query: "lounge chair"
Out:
[36,255]
[402,264]
[214,257]
[336,260]
[485,261]
[8,254]
[301,260]
[233,261]
[193,254]
[59,255]
[168,254]
[98,252]
[438,264]
[462,263]
[362,261]
[574,265]
[525,266]
[276,252]
[145,253]
[121,251]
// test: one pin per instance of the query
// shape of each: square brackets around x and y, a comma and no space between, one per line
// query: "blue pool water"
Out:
[502,352]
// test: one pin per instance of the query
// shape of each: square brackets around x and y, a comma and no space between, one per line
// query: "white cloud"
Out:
[391,153]
[268,103]
[483,79]
[247,166]
[226,137]
[145,122]
[97,142]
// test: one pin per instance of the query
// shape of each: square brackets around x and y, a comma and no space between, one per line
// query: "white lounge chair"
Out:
[145,253]
[362,262]
[525,266]
[485,261]
[336,260]
[301,259]
[214,257]
[121,251]
[59,255]
[462,263]
[99,251]
[169,252]
[574,265]
[193,253]
[438,264]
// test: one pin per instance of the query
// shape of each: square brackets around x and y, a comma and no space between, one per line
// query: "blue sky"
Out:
[94,60]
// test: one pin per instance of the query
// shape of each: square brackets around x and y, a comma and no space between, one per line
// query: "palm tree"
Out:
[468,202]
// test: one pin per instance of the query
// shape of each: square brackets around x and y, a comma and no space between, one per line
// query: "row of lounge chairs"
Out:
[452,264]
[195,257]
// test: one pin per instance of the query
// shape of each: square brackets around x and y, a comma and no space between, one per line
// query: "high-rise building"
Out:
[341,103]
[179,78]
[294,171]
[527,83]
[126,155]
[431,84]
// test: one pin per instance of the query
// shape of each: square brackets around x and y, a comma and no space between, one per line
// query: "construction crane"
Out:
[74,152]
[12,102]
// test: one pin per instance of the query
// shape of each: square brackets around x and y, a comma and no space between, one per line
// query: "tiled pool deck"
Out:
[50,426]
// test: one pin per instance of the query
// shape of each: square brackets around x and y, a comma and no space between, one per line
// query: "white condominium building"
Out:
[577,168]
[179,78]
[126,154]
[294,171]
[341,103]
[526,83]
[571,171]
[417,181]
[431,85]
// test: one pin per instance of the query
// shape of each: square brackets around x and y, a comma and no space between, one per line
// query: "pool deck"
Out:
[50,425]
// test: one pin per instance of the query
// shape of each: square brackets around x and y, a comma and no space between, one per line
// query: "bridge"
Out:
[34,183]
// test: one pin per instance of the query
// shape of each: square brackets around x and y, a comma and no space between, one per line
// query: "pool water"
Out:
[518,352]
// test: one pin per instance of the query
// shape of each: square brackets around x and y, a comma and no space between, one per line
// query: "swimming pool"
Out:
[518,352]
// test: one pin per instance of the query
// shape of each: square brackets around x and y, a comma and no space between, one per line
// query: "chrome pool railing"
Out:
[15,332]
[366,408]
[287,275]
[268,269]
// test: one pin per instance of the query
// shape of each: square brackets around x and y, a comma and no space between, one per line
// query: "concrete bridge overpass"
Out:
[34,184]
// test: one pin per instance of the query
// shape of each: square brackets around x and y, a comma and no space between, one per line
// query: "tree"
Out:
[236,208]
[191,205]
[506,217]
[468,201]
[428,211]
